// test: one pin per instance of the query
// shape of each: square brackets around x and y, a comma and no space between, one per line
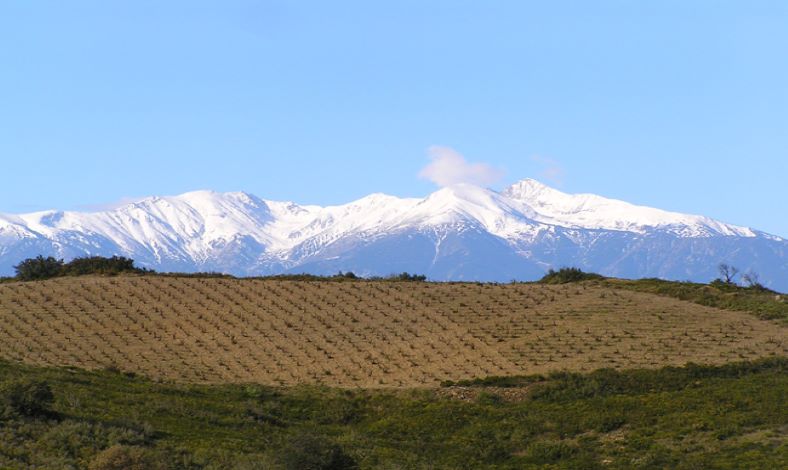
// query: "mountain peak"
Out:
[459,196]
[529,188]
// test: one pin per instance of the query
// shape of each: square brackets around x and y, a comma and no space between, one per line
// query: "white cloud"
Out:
[551,169]
[450,167]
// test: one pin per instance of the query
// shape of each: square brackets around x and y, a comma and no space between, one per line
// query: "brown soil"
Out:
[361,334]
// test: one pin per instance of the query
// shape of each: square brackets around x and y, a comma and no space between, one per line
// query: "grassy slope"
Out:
[765,304]
[732,416]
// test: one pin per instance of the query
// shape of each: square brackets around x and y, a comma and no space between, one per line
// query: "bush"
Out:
[26,397]
[308,451]
[39,268]
[506,381]
[339,276]
[347,275]
[405,276]
[45,268]
[100,265]
[344,410]
[120,457]
[546,452]
[562,386]
[80,439]
[565,275]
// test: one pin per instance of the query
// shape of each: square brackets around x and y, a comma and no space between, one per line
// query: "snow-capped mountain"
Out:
[458,232]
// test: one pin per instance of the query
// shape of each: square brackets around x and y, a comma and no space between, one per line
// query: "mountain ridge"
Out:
[459,232]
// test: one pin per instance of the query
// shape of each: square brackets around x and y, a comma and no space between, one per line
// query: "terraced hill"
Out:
[362,334]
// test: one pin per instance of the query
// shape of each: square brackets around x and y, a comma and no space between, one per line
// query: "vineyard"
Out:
[362,334]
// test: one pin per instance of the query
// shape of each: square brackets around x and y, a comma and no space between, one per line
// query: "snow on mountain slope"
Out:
[595,212]
[375,212]
[464,202]
[185,225]
[455,230]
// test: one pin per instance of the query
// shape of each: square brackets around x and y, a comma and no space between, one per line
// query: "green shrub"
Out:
[566,275]
[343,410]
[347,275]
[100,265]
[546,452]
[119,457]
[307,451]
[505,381]
[26,397]
[81,439]
[197,275]
[405,276]
[724,286]
[488,398]
[39,268]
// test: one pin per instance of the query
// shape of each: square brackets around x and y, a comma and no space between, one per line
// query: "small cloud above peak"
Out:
[551,169]
[448,167]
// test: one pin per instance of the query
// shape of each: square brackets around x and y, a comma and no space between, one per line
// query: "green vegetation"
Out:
[566,275]
[762,302]
[25,398]
[100,265]
[39,267]
[308,451]
[346,276]
[722,293]
[197,275]
[505,381]
[733,416]
[404,276]
[604,382]
[338,277]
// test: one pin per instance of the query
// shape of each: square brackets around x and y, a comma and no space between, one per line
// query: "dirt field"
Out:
[365,334]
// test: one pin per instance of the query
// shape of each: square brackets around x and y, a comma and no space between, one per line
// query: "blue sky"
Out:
[675,104]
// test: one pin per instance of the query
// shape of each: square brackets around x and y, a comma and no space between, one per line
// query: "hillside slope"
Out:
[365,334]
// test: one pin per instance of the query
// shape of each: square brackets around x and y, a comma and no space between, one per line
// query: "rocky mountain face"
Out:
[460,232]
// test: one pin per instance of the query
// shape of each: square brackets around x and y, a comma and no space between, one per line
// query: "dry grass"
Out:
[365,334]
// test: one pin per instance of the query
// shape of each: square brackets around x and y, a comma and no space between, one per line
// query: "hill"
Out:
[368,334]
